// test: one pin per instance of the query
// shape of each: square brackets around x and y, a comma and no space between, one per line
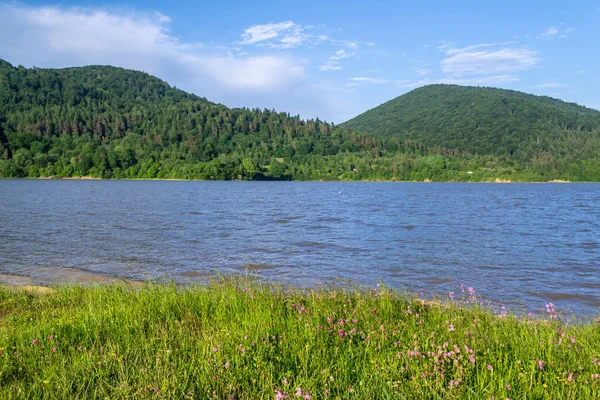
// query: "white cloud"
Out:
[581,72]
[341,54]
[554,31]
[487,59]
[333,64]
[260,33]
[550,32]
[56,37]
[551,85]
[330,66]
[365,79]
[422,71]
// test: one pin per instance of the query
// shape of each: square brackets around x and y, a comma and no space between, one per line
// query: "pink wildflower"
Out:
[489,367]
[279,395]
[298,391]
[540,364]
[215,349]
[34,341]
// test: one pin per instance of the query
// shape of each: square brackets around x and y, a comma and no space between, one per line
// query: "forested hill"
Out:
[109,122]
[114,123]
[479,120]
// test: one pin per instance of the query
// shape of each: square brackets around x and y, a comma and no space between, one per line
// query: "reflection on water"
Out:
[518,244]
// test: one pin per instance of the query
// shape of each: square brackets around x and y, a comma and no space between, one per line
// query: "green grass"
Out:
[239,338]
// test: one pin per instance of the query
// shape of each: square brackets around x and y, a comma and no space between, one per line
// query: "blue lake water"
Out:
[518,244]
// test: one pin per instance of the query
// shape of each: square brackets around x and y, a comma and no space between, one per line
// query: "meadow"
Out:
[242,338]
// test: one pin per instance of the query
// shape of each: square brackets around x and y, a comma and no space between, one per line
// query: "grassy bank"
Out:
[245,339]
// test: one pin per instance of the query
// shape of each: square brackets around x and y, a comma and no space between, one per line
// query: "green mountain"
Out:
[480,120]
[115,123]
[109,122]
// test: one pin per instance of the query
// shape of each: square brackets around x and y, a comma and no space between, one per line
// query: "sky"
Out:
[327,59]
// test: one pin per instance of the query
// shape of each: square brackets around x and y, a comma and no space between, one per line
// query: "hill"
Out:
[114,123]
[480,120]
[108,122]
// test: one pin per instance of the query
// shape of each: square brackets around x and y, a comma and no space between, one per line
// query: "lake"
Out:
[518,244]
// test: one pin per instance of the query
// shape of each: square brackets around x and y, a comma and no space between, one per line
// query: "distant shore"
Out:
[491,180]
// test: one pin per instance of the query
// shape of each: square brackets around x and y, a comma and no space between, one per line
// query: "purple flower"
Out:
[507,387]
[540,364]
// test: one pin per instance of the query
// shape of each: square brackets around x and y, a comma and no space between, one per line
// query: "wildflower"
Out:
[306,396]
[507,387]
[285,381]
[451,328]
[215,349]
[214,378]
[540,364]
[50,337]
[472,359]
[462,287]
[54,349]
[34,342]
[472,293]
[489,367]
[279,395]
[451,295]
[46,382]
[227,364]
[298,391]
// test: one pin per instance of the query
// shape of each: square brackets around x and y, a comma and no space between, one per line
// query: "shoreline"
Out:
[496,180]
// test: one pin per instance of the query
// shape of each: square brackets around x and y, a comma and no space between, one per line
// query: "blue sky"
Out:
[331,60]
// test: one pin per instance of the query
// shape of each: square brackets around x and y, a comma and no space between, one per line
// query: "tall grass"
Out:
[241,338]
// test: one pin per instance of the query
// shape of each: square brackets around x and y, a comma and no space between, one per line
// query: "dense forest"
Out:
[486,121]
[109,122]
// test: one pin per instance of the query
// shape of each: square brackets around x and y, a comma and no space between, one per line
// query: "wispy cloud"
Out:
[551,85]
[366,79]
[554,31]
[487,59]
[285,34]
[330,66]
[341,54]
[333,63]
[551,31]
[422,71]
